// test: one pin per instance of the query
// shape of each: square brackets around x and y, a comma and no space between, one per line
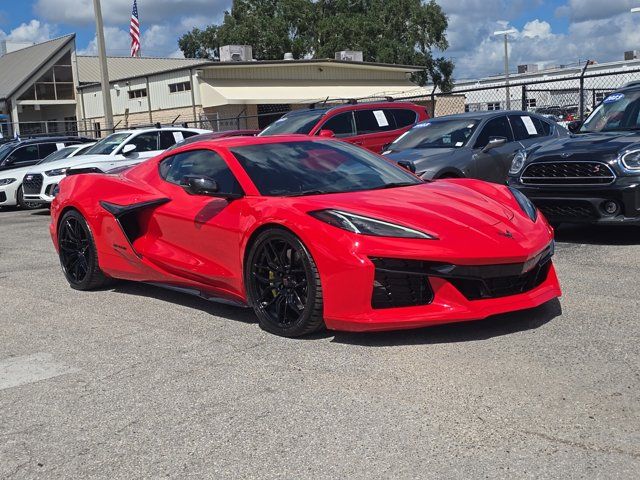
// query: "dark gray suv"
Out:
[474,144]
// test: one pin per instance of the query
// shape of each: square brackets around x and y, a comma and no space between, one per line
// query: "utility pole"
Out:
[506,63]
[104,71]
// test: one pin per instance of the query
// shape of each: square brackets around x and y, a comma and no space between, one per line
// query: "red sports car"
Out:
[310,233]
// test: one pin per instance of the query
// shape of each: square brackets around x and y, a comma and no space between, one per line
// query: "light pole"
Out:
[506,62]
[104,72]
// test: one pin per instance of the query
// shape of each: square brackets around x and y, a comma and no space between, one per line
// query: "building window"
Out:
[55,84]
[138,93]
[600,96]
[493,106]
[531,103]
[179,87]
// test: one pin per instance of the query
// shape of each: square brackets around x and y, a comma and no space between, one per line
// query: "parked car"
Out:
[475,145]
[370,125]
[118,149]
[18,157]
[309,232]
[592,176]
[216,135]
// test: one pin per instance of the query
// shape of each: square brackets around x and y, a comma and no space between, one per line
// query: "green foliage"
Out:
[387,31]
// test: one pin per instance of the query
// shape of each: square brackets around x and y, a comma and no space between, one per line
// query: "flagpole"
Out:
[102,55]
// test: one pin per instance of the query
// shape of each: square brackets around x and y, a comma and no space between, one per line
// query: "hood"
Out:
[462,218]
[417,154]
[70,162]
[17,173]
[587,143]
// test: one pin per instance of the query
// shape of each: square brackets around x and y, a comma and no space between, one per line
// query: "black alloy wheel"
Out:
[283,285]
[78,255]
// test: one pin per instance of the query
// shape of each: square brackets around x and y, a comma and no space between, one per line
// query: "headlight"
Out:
[6,181]
[525,204]
[367,226]
[518,162]
[631,160]
[56,172]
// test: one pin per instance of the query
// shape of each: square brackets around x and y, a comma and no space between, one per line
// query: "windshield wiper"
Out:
[306,192]
[395,185]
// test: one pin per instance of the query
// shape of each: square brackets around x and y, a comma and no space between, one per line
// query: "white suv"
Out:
[120,149]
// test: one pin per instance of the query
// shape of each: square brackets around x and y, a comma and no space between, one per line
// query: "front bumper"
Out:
[44,195]
[586,204]
[8,195]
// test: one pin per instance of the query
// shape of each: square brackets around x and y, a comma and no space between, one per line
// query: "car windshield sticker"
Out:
[614,98]
[59,146]
[459,144]
[381,118]
[178,137]
[422,125]
[528,123]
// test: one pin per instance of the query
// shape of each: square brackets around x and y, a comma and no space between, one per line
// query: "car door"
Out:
[375,129]
[493,165]
[196,237]
[342,125]
[146,144]
[528,129]
[23,156]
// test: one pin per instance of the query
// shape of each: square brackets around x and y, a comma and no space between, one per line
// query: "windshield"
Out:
[106,146]
[299,122]
[437,134]
[316,167]
[58,155]
[619,111]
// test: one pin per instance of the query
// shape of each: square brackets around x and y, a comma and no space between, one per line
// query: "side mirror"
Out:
[494,142]
[407,165]
[574,127]
[128,149]
[205,186]
[326,133]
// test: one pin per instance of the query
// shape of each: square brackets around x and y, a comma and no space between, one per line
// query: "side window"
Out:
[46,149]
[498,127]
[373,121]
[145,142]
[403,116]
[201,163]
[189,134]
[543,127]
[341,125]
[526,127]
[169,139]
[25,154]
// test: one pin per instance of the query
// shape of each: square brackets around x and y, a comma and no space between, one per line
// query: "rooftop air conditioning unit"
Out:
[529,68]
[349,56]
[236,53]
[632,55]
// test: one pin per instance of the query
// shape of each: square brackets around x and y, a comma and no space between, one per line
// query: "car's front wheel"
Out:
[283,284]
[78,254]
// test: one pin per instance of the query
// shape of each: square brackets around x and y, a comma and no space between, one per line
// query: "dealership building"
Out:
[48,88]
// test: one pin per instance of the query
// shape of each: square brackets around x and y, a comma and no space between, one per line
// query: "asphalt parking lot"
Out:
[139,382]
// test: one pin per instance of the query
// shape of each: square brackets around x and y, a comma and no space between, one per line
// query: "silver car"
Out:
[474,144]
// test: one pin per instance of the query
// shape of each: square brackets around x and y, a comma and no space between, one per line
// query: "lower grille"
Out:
[568,173]
[567,209]
[396,286]
[32,184]
[406,282]
[3,197]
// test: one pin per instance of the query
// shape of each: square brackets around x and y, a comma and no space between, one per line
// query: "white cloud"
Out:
[32,32]
[117,41]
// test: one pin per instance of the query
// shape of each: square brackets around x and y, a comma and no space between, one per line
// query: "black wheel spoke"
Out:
[74,243]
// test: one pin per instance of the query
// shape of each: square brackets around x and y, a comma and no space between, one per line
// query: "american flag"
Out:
[134,31]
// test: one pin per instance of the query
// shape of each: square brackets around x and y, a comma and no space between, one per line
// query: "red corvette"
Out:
[309,232]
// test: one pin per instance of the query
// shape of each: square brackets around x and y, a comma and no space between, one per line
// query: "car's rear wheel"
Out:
[78,254]
[24,204]
[283,284]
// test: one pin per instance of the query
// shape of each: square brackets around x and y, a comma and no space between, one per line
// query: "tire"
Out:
[283,285]
[78,254]
[25,205]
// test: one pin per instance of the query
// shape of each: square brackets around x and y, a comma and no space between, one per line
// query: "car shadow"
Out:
[598,234]
[217,309]
[495,326]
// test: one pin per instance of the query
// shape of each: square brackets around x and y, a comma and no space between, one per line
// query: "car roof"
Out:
[30,141]
[131,131]
[354,106]
[481,115]
[231,142]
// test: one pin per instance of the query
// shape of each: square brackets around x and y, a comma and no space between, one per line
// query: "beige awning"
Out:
[219,93]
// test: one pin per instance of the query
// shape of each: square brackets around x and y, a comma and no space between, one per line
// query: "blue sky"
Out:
[550,32]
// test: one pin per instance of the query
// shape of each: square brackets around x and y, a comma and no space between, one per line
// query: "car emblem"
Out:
[29,177]
[507,234]
[565,155]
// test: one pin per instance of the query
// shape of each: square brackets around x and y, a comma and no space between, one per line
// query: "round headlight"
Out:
[518,162]
[631,160]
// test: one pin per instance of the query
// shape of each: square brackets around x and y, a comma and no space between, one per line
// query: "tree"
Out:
[387,31]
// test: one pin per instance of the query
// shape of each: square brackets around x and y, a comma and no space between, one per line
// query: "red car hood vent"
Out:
[429,204]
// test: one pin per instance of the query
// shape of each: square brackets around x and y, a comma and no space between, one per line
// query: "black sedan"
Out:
[475,144]
[593,176]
